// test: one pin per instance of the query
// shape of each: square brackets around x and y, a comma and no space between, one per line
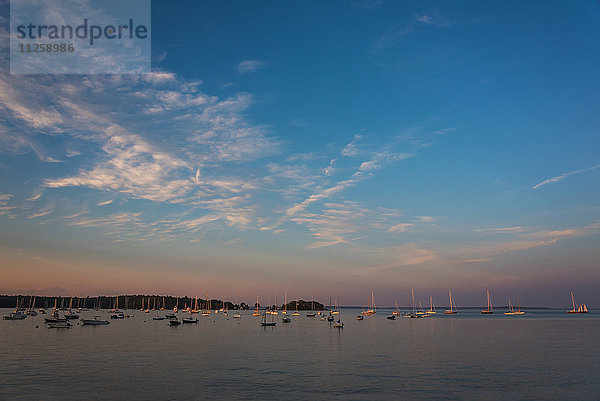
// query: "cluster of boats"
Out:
[332,315]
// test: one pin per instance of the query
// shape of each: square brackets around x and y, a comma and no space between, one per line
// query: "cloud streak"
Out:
[561,177]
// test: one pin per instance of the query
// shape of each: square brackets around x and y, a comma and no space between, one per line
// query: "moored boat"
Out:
[16,315]
[489,309]
[59,325]
[577,308]
[94,322]
[452,309]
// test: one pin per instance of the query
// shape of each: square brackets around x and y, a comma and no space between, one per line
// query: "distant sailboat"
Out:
[413,310]
[396,312]
[296,313]
[452,309]
[339,324]
[489,309]
[431,310]
[266,323]
[518,311]
[577,308]
[312,308]
[371,309]
[511,310]
[256,312]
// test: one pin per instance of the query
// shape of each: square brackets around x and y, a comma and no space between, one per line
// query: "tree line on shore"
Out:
[138,302]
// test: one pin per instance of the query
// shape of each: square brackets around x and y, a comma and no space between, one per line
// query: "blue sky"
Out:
[329,148]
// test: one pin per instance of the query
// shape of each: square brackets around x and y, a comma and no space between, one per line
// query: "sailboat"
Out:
[396,312]
[94,322]
[452,309]
[577,308]
[70,314]
[266,323]
[312,308]
[285,303]
[339,324]
[489,309]
[413,308]
[511,310]
[371,310]
[518,311]
[431,310]
[256,312]
[296,313]
[274,311]
[420,311]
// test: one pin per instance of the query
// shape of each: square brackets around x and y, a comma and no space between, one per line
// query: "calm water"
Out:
[544,355]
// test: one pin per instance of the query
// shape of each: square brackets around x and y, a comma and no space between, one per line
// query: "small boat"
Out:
[189,320]
[359,317]
[577,308]
[452,309]
[371,309]
[70,315]
[296,313]
[391,317]
[431,310]
[286,319]
[266,323]
[256,311]
[413,314]
[94,322]
[339,324]
[237,315]
[174,322]
[159,317]
[170,316]
[396,312]
[518,311]
[54,317]
[119,315]
[489,309]
[59,325]
[312,308]
[16,315]
[330,318]
[511,310]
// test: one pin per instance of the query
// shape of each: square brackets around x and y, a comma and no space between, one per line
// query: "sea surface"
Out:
[542,355]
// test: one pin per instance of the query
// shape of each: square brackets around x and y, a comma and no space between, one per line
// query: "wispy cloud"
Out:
[365,170]
[561,177]
[108,202]
[5,208]
[351,149]
[248,66]
[434,18]
[41,213]
[400,228]
[515,229]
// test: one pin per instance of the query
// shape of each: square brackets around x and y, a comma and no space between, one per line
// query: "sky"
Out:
[328,148]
